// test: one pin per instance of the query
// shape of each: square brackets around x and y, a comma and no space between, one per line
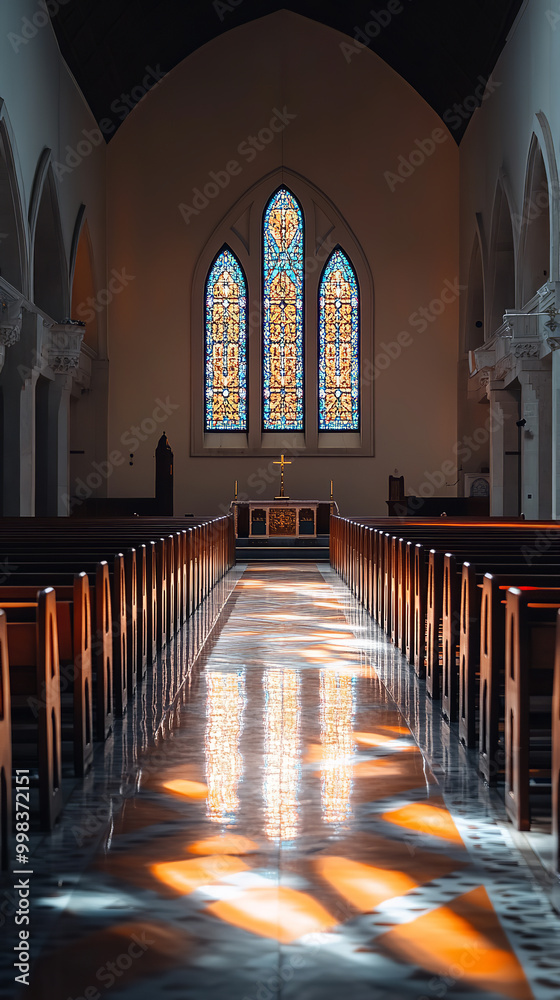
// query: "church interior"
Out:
[279,583]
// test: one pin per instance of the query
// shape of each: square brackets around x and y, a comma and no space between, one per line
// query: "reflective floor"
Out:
[286,836]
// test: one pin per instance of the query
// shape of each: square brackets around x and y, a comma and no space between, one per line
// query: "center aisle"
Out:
[291,841]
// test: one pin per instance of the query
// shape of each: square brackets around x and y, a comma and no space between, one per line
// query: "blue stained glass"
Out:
[226,346]
[283,314]
[339,346]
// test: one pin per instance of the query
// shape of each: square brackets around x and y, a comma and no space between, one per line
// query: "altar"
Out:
[281,518]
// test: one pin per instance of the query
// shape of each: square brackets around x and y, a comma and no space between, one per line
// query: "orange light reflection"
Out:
[425,818]
[364,886]
[188,789]
[282,914]
[186,876]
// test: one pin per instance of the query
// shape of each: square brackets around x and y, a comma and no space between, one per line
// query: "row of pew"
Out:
[85,608]
[474,607]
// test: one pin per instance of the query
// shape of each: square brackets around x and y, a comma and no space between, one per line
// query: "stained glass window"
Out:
[283,314]
[226,345]
[339,356]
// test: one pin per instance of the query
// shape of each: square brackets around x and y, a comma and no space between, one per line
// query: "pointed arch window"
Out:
[339,346]
[283,376]
[226,345]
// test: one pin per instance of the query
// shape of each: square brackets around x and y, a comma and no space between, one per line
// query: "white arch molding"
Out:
[535,215]
[501,259]
[44,195]
[324,229]
[12,166]
[475,299]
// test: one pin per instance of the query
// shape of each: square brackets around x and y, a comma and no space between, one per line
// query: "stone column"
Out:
[17,383]
[504,406]
[64,344]
[555,430]
[536,444]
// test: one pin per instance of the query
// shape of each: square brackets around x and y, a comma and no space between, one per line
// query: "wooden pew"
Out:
[35,703]
[5,749]
[555,776]
[529,674]
[103,637]
[472,588]
[73,612]
[492,676]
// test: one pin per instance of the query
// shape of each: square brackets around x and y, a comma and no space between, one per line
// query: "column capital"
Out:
[64,342]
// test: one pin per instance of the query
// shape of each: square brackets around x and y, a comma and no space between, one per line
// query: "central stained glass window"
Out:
[339,365]
[226,345]
[283,314]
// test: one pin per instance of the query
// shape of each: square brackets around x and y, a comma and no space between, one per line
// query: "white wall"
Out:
[53,139]
[522,103]
[46,109]
[354,119]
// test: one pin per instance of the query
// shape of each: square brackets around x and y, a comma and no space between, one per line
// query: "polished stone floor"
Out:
[289,832]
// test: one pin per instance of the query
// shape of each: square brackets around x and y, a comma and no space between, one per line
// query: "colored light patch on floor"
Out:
[188,789]
[228,843]
[463,941]
[390,775]
[425,817]
[186,876]
[364,886]
[395,855]
[280,913]
[375,740]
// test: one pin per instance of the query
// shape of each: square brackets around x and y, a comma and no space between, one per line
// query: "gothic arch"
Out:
[82,282]
[13,230]
[475,332]
[534,226]
[51,291]
[324,229]
[501,261]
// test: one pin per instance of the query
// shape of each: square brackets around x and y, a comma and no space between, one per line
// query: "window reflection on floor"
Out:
[225,703]
[281,762]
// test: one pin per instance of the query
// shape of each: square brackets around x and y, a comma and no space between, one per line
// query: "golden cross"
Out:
[282,463]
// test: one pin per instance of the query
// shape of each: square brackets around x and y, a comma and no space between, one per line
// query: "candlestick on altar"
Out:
[235,491]
[282,463]
[332,495]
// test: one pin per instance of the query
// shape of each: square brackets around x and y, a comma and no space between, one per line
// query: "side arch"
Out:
[49,270]
[501,261]
[14,247]
[475,332]
[535,257]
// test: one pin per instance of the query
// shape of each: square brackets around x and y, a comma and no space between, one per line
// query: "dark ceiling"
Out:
[441,47]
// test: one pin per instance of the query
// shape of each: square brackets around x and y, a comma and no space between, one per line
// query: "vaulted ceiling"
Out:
[441,47]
